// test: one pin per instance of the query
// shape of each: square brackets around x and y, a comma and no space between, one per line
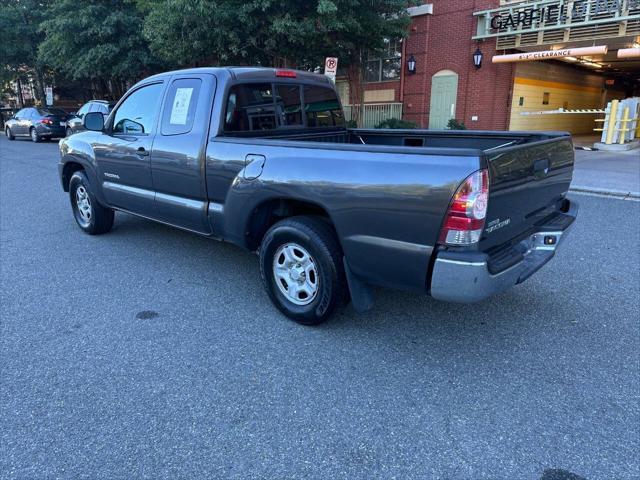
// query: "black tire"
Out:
[318,238]
[9,134]
[35,136]
[100,219]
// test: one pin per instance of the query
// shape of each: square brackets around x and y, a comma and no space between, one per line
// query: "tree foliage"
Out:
[108,44]
[96,40]
[20,26]
[270,32]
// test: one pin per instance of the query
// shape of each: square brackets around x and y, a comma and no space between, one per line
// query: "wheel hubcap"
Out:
[34,135]
[83,203]
[295,274]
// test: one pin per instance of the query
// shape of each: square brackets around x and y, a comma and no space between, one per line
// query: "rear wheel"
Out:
[68,131]
[302,270]
[90,216]
[35,137]
[9,134]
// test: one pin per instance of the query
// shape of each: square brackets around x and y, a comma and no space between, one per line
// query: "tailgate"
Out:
[527,185]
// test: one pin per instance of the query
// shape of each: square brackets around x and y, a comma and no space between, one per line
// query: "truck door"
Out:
[178,155]
[123,154]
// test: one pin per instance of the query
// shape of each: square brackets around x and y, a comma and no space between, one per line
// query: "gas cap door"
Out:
[253,165]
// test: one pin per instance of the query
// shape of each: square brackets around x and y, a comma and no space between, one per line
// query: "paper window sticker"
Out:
[180,107]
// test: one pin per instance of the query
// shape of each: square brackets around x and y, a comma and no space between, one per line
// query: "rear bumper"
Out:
[53,131]
[466,277]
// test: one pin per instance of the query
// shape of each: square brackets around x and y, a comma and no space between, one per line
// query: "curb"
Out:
[622,194]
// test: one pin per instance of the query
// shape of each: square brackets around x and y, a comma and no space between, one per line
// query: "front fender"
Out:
[78,149]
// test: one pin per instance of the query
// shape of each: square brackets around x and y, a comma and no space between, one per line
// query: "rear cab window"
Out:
[322,108]
[264,107]
[180,106]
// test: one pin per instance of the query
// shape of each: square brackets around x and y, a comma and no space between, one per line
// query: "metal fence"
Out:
[374,113]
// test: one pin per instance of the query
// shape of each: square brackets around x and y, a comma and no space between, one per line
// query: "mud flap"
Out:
[361,293]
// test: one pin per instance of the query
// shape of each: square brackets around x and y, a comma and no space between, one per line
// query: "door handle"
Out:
[142,152]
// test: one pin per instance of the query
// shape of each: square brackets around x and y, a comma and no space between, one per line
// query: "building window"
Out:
[387,66]
[545,98]
[521,102]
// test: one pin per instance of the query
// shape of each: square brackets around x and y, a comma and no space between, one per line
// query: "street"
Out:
[150,352]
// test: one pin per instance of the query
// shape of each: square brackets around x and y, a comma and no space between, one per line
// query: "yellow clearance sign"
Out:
[550,54]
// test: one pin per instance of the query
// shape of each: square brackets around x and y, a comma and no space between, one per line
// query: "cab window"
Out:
[250,107]
[180,106]
[137,114]
[322,107]
[289,105]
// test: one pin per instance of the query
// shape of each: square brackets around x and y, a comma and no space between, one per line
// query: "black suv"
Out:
[74,125]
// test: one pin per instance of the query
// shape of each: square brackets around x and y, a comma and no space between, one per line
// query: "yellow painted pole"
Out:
[613,112]
[624,122]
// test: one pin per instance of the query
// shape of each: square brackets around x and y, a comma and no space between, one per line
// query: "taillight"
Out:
[464,222]
[47,121]
[285,73]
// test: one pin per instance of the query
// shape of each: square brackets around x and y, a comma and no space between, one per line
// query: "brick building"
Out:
[445,34]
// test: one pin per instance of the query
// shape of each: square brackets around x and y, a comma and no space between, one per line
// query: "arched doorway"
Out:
[444,96]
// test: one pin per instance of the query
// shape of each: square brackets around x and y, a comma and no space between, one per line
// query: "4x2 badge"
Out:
[496,224]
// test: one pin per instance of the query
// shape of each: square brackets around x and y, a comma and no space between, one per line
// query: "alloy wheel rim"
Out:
[34,135]
[83,202]
[296,274]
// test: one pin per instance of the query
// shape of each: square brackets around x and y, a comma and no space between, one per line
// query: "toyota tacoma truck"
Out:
[262,158]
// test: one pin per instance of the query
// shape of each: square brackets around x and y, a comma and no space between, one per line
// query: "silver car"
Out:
[74,125]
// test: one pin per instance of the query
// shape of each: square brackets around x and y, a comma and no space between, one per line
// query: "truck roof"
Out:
[251,73]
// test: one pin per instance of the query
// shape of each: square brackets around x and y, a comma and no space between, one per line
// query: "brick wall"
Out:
[442,41]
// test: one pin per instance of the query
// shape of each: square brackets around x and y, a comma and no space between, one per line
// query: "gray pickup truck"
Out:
[262,158]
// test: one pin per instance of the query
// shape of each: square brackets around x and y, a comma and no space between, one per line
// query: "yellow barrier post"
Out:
[613,112]
[625,120]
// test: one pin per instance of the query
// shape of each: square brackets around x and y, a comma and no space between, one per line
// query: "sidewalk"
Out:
[612,173]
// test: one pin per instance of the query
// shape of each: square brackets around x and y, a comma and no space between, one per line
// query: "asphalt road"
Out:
[152,353]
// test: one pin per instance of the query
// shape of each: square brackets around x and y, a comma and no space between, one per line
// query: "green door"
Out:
[444,93]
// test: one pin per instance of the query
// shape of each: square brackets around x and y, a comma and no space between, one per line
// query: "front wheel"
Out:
[9,134]
[302,269]
[90,216]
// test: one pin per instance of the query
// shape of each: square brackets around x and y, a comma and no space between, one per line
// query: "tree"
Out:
[270,32]
[19,23]
[280,33]
[98,41]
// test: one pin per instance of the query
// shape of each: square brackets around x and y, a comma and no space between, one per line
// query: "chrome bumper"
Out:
[465,277]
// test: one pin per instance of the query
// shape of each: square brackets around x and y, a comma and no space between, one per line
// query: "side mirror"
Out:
[93,121]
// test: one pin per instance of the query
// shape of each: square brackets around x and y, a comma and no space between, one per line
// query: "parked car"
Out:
[262,158]
[74,124]
[38,123]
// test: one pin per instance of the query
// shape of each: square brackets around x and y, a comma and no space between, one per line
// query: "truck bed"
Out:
[530,172]
[486,141]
